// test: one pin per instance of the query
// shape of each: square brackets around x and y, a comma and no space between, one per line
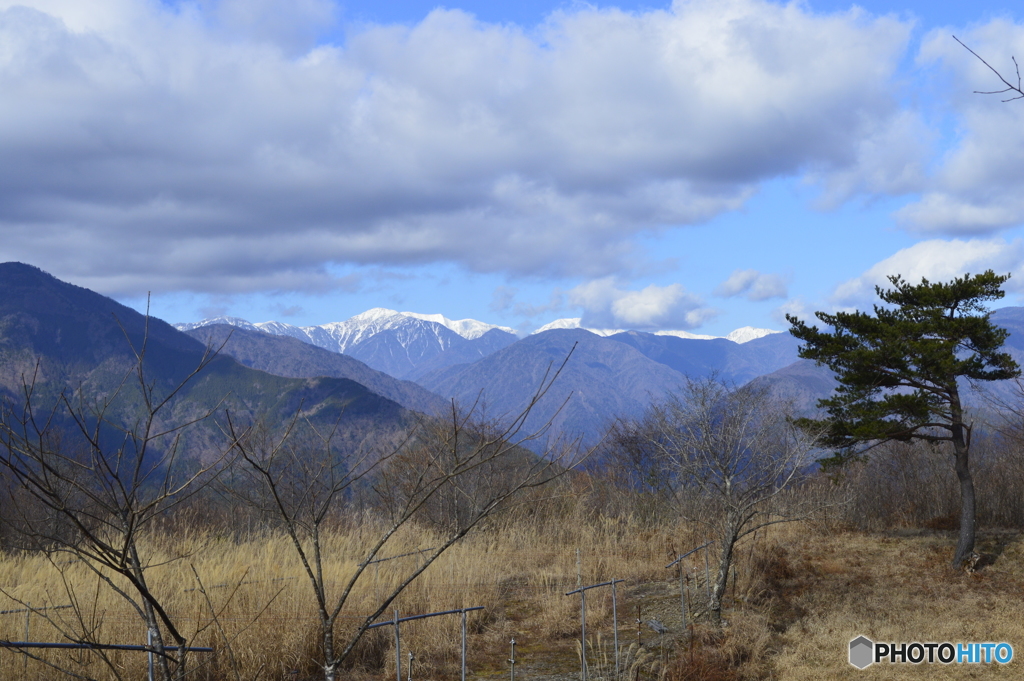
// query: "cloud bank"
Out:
[217,148]
[608,306]
[936,260]
[752,285]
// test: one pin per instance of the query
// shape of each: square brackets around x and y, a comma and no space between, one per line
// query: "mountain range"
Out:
[401,344]
[611,374]
[394,365]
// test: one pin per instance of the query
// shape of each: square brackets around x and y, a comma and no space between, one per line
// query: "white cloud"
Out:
[292,25]
[752,285]
[206,148]
[797,307]
[607,306]
[976,188]
[936,260]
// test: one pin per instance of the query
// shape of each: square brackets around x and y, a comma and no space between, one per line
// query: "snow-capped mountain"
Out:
[470,329]
[574,323]
[742,335]
[397,343]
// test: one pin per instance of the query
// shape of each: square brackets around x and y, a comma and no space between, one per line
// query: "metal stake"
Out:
[638,620]
[615,627]
[582,591]
[149,642]
[682,593]
[583,634]
[28,623]
[707,577]
[512,660]
[463,645]
[411,658]
[398,649]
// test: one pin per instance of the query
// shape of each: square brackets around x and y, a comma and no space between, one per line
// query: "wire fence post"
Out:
[682,593]
[582,591]
[149,652]
[707,576]
[512,660]
[395,621]
[28,624]
[615,628]
[583,634]
[682,581]
[398,649]
[463,645]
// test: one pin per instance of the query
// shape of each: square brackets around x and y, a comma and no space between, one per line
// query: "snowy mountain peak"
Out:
[231,321]
[742,335]
[574,323]
[749,333]
[685,334]
[467,328]
[372,315]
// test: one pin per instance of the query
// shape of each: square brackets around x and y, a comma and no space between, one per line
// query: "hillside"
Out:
[293,358]
[70,338]
[601,381]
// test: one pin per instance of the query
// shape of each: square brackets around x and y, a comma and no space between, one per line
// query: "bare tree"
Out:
[726,454]
[91,475]
[449,472]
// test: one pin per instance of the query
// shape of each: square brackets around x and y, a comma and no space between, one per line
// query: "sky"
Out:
[701,165]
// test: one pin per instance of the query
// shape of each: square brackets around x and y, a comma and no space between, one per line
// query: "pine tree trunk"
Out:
[965,543]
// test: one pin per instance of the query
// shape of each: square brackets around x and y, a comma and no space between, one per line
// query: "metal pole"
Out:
[638,616]
[707,577]
[463,645]
[398,649]
[28,623]
[682,594]
[512,660]
[583,634]
[149,654]
[411,658]
[615,627]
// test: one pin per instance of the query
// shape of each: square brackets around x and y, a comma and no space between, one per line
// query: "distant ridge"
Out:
[402,344]
[470,329]
[742,335]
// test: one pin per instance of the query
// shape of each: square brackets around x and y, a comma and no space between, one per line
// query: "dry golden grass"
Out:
[801,595]
[897,587]
[516,570]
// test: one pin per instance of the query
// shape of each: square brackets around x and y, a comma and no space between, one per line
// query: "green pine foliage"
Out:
[900,369]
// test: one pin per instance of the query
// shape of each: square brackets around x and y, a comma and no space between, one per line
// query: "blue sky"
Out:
[702,165]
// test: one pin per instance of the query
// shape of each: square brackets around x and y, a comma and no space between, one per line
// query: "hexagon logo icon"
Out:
[862,652]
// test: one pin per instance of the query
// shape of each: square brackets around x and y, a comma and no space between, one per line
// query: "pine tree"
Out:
[899,372]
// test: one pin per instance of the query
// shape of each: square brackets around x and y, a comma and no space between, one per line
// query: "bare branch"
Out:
[1010,87]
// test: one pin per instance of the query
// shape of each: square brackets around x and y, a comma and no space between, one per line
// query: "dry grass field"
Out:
[802,593]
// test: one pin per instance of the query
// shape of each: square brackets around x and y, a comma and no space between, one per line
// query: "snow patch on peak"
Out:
[742,335]
[684,334]
[231,321]
[574,323]
[467,328]
[749,333]
[373,314]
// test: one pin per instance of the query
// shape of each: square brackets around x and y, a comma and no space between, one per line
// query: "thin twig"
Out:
[1010,87]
